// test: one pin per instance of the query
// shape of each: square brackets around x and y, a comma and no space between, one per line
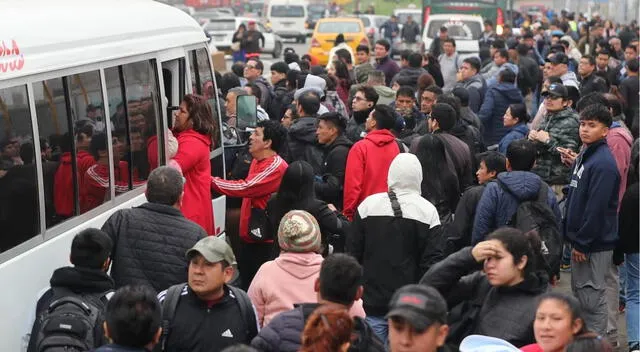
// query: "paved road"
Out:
[301,49]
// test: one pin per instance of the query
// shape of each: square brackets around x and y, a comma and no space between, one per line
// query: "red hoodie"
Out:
[367,167]
[619,140]
[193,158]
[63,181]
[95,189]
[263,179]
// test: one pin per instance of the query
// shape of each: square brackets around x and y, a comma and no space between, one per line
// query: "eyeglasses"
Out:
[248,66]
[359,99]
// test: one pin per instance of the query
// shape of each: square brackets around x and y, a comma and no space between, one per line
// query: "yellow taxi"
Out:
[325,33]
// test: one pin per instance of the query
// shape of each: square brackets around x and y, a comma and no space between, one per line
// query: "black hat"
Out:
[419,305]
[558,58]
[556,90]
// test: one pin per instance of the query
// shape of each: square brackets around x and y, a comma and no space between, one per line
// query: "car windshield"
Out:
[287,11]
[457,29]
[256,6]
[316,9]
[365,21]
[339,27]
[380,21]
[402,16]
[217,26]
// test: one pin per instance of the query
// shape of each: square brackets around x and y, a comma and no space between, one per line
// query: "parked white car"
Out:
[221,32]
[465,29]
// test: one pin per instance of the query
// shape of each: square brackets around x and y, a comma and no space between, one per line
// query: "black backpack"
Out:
[535,214]
[170,304]
[69,323]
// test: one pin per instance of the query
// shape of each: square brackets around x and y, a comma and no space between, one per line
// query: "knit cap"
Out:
[299,232]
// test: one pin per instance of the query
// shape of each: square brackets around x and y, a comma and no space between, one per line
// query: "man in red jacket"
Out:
[265,174]
[369,159]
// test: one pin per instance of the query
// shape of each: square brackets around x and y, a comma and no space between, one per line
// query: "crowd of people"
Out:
[354,219]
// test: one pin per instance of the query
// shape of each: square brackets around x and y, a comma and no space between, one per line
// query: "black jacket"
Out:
[460,155]
[435,72]
[200,326]
[628,221]
[149,245]
[459,235]
[506,312]
[303,143]
[280,99]
[283,333]
[593,83]
[92,284]
[330,187]
[410,74]
[529,74]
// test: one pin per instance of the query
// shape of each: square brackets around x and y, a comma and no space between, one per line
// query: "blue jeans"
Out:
[566,254]
[633,297]
[380,327]
[622,276]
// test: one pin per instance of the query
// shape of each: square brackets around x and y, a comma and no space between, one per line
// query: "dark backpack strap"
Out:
[246,310]
[400,145]
[395,205]
[169,311]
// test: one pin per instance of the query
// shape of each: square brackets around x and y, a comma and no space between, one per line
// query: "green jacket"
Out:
[563,128]
[362,71]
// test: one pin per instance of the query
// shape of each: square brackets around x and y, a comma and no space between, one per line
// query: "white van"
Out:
[287,19]
[464,29]
[101,64]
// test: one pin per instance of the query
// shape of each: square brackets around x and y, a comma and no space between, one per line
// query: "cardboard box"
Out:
[219,63]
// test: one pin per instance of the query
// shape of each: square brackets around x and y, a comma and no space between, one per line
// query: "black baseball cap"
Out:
[556,90]
[419,305]
[558,58]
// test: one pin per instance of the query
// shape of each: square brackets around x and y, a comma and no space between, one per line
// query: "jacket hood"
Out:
[380,137]
[570,79]
[82,280]
[385,92]
[342,140]
[474,81]
[617,131]
[192,133]
[66,158]
[304,129]
[405,174]
[523,184]
[261,114]
[509,91]
[312,83]
[299,265]
[520,128]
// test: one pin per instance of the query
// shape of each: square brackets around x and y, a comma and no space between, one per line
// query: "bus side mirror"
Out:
[246,112]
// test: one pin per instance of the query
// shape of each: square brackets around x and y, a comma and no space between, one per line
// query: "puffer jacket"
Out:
[496,206]
[395,249]
[410,74]
[507,312]
[496,102]
[284,332]
[148,235]
[562,127]
[476,85]
[303,143]
[516,132]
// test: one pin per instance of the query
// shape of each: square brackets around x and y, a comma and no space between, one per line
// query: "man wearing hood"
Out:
[87,278]
[390,263]
[384,62]
[472,81]
[302,141]
[330,185]
[411,72]
[558,130]
[496,102]
[363,102]
[500,201]
[369,159]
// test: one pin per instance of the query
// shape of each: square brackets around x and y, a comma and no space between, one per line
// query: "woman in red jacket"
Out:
[194,128]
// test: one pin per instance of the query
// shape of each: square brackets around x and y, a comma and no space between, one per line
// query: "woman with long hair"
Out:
[328,329]
[194,129]
[505,292]
[439,182]
[557,322]
[431,64]
[297,192]
[340,71]
[515,119]
[238,37]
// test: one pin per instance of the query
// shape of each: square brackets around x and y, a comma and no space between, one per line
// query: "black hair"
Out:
[445,114]
[90,248]
[404,55]
[632,47]
[317,70]
[238,69]
[98,144]
[280,67]
[86,130]
[415,60]
[604,51]
[363,47]
[164,186]
[632,65]
[572,304]
[498,44]
[450,40]
[229,80]
[504,53]
[27,153]
[309,102]
[292,79]
[444,29]
[452,101]
[573,94]
[589,342]
[522,49]
[385,117]
[521,155]
[340,277]
[507,76]
[290,56]
[331,81]
[369,93]
[339,39]
[342,71]
[344,55]
[434,89]
[519,111]
[133,316]
[474,62]
[494,161]
[384,43]
[438,181]
[564,43]
[590,59]
[520,244]
[590,99]
[597,112]
[613,103]
[255,90]
[335,119]
[462,94]
[304,65]
[406,91]
[296,184]
[273,131]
